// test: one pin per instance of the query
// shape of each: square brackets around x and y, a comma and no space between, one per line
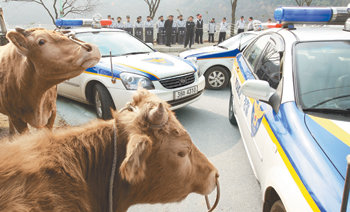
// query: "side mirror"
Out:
[150,45]
[261,90]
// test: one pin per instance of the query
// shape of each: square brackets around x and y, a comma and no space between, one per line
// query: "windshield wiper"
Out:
[328,110]
[223,47]
[133,53]
[113,55]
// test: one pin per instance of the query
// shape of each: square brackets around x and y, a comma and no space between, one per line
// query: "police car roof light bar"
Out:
[315,15]
[80,22]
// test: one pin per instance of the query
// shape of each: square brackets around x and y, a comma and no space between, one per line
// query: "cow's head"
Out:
[161,161]
[54,55]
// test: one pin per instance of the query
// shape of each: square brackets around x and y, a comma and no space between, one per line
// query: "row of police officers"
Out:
[170,31]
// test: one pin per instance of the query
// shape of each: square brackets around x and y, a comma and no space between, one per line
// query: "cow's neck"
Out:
[32,84]
[99,168]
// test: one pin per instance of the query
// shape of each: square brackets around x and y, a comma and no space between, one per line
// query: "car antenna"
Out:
[344,202]
[111,61]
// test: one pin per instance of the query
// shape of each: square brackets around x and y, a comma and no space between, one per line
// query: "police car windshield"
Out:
[119,43]
[233,43]
[323,76]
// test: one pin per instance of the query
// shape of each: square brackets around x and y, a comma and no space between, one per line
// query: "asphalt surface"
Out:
[206,121]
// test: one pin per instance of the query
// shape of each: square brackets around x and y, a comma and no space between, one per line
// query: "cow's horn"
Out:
[22,31]
[158,116]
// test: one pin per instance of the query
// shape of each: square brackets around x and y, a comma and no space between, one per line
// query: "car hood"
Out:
[333,137]
[154,65]
[200,51]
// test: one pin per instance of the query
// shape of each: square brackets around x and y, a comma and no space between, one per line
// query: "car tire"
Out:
[216,78]
[231,114]
[103,102]
[278,207]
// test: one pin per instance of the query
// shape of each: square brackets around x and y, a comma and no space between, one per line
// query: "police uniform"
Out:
[138,30]
[223,29]
[168,25]
[199,31]
[240,26]
[250,26]
[190,25]
[211,31]
[149,31]
[181,30]
[160,32]
[118,25]
[129,27]
[174,32]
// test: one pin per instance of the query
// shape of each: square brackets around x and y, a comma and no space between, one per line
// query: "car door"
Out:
[244,67]
[268,68]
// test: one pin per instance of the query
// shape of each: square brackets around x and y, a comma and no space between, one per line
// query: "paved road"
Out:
[206,121]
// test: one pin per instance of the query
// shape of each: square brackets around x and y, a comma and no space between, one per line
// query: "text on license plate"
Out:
[185,92]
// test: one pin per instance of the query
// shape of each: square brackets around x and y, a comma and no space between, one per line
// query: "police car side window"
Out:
[253,53]
[268,68]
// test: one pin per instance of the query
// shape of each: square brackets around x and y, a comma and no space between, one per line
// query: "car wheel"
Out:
[278,207]
[231,114]
[216,78]
[103,102]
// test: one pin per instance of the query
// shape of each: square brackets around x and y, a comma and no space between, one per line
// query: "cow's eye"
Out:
[41,42]
[181,154]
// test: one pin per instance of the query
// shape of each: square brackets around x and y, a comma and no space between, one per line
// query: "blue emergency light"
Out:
[317,15]
[81,22]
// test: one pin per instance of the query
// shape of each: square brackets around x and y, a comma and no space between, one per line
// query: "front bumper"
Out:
[122,96]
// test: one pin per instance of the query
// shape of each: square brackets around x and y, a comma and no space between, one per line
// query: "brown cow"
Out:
[69,169]
[31,66]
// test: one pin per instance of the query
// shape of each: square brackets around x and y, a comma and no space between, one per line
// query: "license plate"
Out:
[185,92]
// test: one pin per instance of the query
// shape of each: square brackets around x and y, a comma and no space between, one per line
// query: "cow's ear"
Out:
[19,40]
[133,167]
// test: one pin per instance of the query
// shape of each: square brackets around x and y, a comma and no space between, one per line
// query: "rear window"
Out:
[323,75]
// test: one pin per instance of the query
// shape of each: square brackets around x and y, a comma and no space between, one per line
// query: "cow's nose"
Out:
[88,47]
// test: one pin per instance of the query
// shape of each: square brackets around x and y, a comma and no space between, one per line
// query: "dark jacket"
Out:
[199,24]
[168,25]
[190,27]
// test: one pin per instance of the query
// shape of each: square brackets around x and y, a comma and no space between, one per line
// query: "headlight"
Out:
[132,81]
[193,60]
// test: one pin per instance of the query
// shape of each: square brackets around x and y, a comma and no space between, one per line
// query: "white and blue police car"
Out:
[215,62]
[290,97]
[127,63]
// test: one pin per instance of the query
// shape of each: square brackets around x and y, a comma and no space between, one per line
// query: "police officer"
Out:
[240,25]
[211,30]
[168,25]
[250,24]
[199,29]
[128,26]
[149,30]
[160,31]
[139,28]
[223,29]
[181,29]
[119,24]
[190,25]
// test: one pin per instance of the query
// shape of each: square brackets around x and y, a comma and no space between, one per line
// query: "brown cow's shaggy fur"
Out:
[69,170]
[31,66]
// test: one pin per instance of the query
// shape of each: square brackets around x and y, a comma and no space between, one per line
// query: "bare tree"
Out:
[302,2]
[152,7]
[233,16]
[61,8]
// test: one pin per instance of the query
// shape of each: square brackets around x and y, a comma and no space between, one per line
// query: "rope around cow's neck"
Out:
[114,166]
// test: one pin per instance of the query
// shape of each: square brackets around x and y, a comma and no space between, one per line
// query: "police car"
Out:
[216,61]
[127,63]
[290,97]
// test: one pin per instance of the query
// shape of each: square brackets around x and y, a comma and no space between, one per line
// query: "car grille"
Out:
[177,82]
